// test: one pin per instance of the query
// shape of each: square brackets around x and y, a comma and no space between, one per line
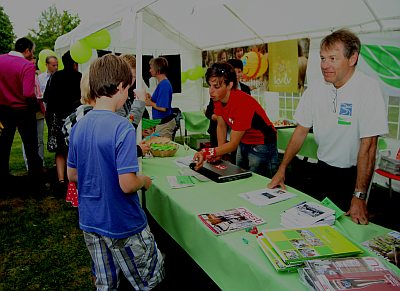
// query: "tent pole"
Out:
[139,53]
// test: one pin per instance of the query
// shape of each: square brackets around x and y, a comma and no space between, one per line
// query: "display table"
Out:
[195,121]
[309,148]
[227,259]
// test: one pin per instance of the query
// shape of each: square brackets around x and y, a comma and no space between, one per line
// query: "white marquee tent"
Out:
[211,24]
[187,27]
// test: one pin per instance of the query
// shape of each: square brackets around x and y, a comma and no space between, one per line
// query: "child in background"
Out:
[102,159]
[70,121]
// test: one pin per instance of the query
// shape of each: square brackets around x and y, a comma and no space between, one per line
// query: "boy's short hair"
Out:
[236,64]
[160,65]
[105,75]
[224,72]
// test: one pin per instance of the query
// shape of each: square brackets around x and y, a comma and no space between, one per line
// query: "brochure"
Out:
[386,246]
[267,196]
[274,258]
[184,161]
[289,223]
[230,220]
[307,213]
[186,171]
[306,243]
[366,273]
[177,182]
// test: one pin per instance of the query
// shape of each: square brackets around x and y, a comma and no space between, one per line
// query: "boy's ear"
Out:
[120,87]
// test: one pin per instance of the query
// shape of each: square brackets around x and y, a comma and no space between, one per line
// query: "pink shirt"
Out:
[17,80]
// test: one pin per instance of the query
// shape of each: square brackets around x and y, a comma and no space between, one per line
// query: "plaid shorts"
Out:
[136,256]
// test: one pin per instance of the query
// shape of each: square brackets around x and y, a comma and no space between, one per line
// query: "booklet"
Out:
[306,243]
[267,196]
[177,182]
[230,220]
[386,246]
[186,171]
[308,213]
[289,223]
[274,258]
[366,273]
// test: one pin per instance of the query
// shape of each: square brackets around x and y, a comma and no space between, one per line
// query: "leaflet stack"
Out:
[307,214]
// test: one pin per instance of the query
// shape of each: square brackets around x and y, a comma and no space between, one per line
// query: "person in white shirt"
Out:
[348,114]
[52,66]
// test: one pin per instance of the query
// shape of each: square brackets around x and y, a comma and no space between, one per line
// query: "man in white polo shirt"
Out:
[347,113]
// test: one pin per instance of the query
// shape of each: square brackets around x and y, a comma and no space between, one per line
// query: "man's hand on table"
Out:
[358,211]
[278,180]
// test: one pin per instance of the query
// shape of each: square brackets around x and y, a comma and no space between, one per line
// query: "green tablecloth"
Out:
[196,121]
[230,263]
[309,148]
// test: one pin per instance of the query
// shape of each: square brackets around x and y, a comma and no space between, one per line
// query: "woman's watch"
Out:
[360,195]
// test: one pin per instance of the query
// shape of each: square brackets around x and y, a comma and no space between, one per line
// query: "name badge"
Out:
[345,113]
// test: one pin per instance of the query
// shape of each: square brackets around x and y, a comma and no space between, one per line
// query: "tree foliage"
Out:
[7,35]
[52,24]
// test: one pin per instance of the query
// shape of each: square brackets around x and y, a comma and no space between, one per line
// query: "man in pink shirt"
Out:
[18,107]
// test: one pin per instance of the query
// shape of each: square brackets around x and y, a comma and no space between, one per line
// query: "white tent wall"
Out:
[190,26]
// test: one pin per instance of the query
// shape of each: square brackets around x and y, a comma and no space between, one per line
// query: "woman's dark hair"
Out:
[68,61]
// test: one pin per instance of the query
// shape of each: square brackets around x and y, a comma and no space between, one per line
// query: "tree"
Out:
[7,35]
[52,24]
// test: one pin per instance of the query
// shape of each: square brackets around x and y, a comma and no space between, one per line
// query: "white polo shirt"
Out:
[338,123]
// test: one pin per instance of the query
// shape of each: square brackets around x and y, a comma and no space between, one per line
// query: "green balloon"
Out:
[184,77]
[42,65]
[191,74]
[80,52]
[199,72]
[46,53]
[60,64]
[99,40]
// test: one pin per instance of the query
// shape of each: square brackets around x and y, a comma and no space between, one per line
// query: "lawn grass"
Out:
[41,245]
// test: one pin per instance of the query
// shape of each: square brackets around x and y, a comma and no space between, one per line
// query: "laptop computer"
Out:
[222,171]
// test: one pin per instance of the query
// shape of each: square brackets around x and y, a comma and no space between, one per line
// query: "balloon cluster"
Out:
[81,51]
[192,74]
[42,59]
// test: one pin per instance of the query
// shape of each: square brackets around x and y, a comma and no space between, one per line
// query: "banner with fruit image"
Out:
[257,64]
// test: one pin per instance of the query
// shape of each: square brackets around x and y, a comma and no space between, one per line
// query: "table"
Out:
[230,263]
[195,121]
[309,148]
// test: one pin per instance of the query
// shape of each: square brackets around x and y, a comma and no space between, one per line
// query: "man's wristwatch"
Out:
[360,195]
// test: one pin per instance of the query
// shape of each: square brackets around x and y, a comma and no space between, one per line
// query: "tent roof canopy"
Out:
[213,24]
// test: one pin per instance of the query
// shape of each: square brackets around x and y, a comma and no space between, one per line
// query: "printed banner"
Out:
[284,66]
[258,64]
